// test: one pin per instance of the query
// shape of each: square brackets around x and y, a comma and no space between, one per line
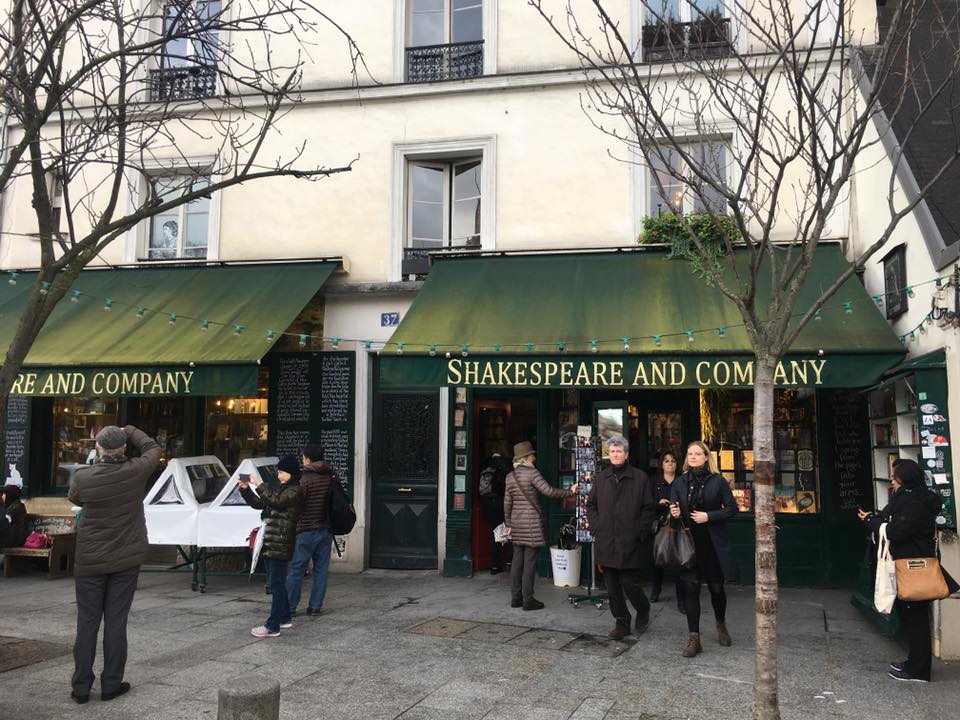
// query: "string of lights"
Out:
[593,345]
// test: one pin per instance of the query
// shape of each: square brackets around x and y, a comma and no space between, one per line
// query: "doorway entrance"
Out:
[499,423]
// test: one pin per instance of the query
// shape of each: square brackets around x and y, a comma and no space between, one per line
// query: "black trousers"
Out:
[915,619]
[523,571]
[626,582]
[107,597]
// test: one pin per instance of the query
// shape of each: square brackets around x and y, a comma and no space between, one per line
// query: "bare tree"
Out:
[804,98]
[99,97]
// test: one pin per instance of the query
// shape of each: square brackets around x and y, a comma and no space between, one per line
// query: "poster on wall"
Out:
[17,441]
[312,403]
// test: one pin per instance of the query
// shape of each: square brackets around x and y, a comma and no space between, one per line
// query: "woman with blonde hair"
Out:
[702,499]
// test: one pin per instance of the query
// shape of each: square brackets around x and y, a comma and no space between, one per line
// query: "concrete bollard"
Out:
[249,697]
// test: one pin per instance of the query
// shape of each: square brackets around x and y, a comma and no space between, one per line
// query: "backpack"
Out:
[340,512]
[485,487]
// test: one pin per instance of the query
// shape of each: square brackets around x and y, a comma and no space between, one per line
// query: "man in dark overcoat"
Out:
[111,546]
[621,510]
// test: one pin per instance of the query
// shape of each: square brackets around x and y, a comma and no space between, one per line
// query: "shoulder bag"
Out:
[673,546]
[920,578]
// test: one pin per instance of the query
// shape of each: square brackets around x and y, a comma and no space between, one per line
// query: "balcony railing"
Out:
[445,62]
[183,83]
[707,37]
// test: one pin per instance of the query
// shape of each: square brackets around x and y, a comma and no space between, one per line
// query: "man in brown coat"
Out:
[621,509]
[111,545]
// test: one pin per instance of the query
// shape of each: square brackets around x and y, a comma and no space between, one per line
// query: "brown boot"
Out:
[723,636]
[693,645]
[620,631]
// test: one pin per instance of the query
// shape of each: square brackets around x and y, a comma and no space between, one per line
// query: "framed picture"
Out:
[458,417]
[461,395]
[895,282]
[460,439]
[459,501]
[460,461]
[459,483]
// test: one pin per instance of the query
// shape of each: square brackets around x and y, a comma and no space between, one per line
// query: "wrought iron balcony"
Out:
[707,37]
[445,62]
[183,83]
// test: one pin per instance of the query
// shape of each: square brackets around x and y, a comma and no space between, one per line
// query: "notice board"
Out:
[312,402]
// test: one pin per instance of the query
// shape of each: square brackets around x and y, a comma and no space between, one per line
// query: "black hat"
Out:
[290,464]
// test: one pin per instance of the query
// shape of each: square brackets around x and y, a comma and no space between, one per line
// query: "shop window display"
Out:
[77,420]
[729,427]
[236,427]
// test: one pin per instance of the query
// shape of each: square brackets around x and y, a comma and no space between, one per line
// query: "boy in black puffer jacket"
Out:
[279,535]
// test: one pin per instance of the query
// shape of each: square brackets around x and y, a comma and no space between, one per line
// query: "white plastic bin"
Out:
[566,566]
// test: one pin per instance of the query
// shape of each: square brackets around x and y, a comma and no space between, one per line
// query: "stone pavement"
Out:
[416,646]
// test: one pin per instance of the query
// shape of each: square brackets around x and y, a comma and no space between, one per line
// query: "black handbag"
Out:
[673,546]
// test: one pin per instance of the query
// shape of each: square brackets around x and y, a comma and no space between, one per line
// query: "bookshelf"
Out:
[893,431]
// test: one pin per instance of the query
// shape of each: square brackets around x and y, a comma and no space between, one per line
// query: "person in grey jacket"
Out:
[524,520]
[111,546]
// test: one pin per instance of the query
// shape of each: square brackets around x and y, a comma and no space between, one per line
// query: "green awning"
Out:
[532,306]
[82,336]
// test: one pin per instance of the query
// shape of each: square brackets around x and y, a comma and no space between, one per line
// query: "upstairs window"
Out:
[444,200]
[676,178]
[678,29]
[444,40]
[183,231]
[188,61]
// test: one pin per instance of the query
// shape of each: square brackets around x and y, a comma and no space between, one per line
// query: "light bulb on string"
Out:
[818,315]
[910,292]
[237,329]
[432,350]
[848,308]
[44,288]
[140,311]
[689,335]
[399,348]
[335,342]
[463,350]
[13,278]
[172,318]
[656,340]
[562,346]
[593,346]
[366,344]
[204,325]
[529,346]
[270,336]
[496,347]
[302,341]
[75,297]
[878,299]
[722,331]
[107,305]
[626,343]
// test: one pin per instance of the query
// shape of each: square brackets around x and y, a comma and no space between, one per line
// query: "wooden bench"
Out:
[60,554]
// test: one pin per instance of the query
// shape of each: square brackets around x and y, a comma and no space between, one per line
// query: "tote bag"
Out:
[885,587]
[673,546]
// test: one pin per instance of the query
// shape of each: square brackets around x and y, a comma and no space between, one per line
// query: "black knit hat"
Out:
[290,464]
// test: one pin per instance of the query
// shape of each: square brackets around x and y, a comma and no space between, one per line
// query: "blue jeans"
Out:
[314,544]
[279,607]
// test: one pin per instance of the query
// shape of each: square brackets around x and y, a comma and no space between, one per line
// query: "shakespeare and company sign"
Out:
[638,371]
[149,382]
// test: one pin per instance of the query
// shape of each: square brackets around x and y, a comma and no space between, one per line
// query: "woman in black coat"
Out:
[661,494]
[702,498]
[911,517]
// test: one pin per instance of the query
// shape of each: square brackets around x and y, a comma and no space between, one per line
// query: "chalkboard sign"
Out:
[846,432]
[312,403]
[17,443]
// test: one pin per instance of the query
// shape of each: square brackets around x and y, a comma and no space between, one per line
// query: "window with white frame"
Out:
[182,231]
[188,60]
[678,177]
[444,201]
[444,39]
[674,29]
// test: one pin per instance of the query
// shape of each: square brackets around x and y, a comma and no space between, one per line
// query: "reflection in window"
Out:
[182,231]
[678,179]
[444,204]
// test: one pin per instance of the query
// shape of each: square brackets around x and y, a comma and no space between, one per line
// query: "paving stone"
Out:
[544,639]
[492,632]
[18,652]
[593,645]
[443,627]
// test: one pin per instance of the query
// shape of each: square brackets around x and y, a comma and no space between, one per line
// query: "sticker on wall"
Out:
[459,483]
[928,408]
[460,439]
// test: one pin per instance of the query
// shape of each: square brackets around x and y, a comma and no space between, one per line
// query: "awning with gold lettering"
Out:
[619,319]
[161,330]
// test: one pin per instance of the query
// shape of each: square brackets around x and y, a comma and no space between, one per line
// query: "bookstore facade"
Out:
[545,347]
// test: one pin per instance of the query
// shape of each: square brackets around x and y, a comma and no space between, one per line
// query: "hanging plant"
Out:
[713,231]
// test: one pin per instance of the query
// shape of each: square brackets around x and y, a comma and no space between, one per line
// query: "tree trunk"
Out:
[766,705]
